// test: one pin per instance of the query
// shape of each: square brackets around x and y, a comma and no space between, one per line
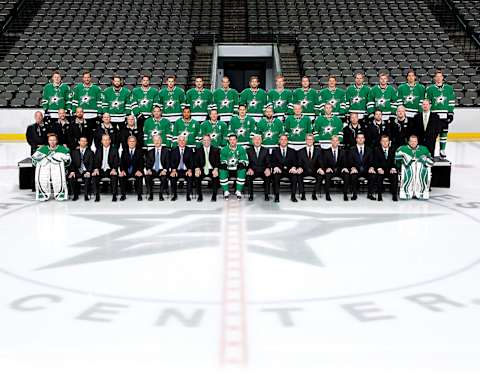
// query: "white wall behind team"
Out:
[15,121]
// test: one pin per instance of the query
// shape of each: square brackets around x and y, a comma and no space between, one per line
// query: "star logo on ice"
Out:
[197,102]
[54,99]
[133,235]
[115,104]
[440,99]
[253,103]
[410,98]
[381,102]
[144,102]
[86,99]
[170,103]
[225,103]
[304,102]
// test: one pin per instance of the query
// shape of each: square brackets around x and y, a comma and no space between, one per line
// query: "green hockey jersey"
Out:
[356,99]
[308,99]
[232,158]
[88,98]
[442,99]
[116,103]
[171,101]
[243,128]
[217,131]
[190,130]
[270,130]
[143,101]
[411,97]
[336,97]
[254,100]
[325,128]
[199,101]
[280,101]
[162,127]
[298,128]
[225,101]
[383,99]
[55,98]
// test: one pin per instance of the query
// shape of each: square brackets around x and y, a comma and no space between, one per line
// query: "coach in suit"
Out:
[360,163]
[157,165]
[81,167]
[284,164]
[105,165]
[351,130]
[106,127]
[335,164]
[376,129]
[427,126]
[37,133]
[181,163]
[384,163]
[61,127]
[207,162]
[131,129]
[79,128]
[310,164]
[131,166]
[258,167]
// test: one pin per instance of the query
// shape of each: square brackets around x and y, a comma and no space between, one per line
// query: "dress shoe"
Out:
[174,197]
[97,198]
[302,197]
[200,198]
[328,198]
[354,197]
[139,198]
[123,197]
[314,197]
[277,198]
[250,198]
[345,197]
[379,197]
[75,198]
[293,198]
[371,197]
[114,198]
[150,197]
[267,197]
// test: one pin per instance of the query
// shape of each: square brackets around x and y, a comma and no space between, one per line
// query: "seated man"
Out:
[207,162]
[50,162]
[81,168]
[157,166]
[335,164]
[284,164]
[384,163]
[181,164]
[258,166]
[309,165]
[105,165]
[131,166]
[233,161]
[361,165]
[415,163]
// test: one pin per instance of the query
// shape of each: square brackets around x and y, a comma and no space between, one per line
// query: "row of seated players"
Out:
[194,165]
[426,125]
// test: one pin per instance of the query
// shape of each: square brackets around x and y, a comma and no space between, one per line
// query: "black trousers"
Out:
[364,173]
[336,173]
[105,174]
[75,183]
[141,122]
[163,181]
[215,182]
[138,183]
[92,124]
[309,173]
[266,182]
[285,174]
[118,126]
[181,174]
[392,177]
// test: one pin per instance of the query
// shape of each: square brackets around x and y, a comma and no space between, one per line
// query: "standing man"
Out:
[326,126]
[188,128]
[411,94]
[233,161]
[254,98]
[81,168]
[171,100]
[284,164]
[116,102]
[79,128]
[37,133]
[55,96]
[401,128]
[181,163]
[426,126]
[105,165]
[442,99]
[376,129]
[207,163]
[280,98]
[200,100]
[335,164]
[157,125]
[307,98]
[131,129]
[385,168]
[107,128]
[361,165]
[216,129]
[258,167]
[157,166]
[142,101]
[335,97]
[310,164]
[270,128]
[61,127]
[297,126]
[382,97]
[131,166]
[357,97]
[351,130]
[242,126]
[225,100]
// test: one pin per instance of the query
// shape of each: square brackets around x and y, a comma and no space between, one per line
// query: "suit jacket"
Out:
[188,159]
[329,160]
[36,136]
[349,134]
[309,165]
[64,133]
[88,160]
[260,163]
[285,164]
[127,132]
[80,129]
[213,157]
[361,164]
[430,133]
[400,131]
[164,158]
[113,158]
[100,131]
[136,162]
[379,160]
[374,133]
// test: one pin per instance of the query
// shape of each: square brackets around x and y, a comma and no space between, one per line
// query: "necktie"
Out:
[335,155]
[130,168]
[181,166]
[309,154]
[207,166]
[157,160]
[361,153]
[425,120]
[82,165]
[386,153]
[283,152]
[105,160]
[257,151]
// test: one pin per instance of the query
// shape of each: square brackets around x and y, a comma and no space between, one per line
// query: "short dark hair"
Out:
[384,136]
[331,76]
[85,72]
[254,77]
[56,72]
[146,76]
[411,71]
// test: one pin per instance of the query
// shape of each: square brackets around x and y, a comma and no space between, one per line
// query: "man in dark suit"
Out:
[131,129]
[427,126]
[258,167]
[400,128]
[181,164]
[157,166]
[310,164]
[105,165]
[61,127]
[351,130]
[79,127]
[131,166]
[360,162]
[384,163]
[81,168]
[106,127]
[284,164]
[335,164]
[207,162]
[376,129]
[37,133]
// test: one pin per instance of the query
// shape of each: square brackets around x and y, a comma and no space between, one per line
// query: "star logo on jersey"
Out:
[86,98]
[115,104]
[170,103]
[144,102]
[269,134]
[381,102]
[185,134]
[440,99]
[279,103]
[253,103]
[232,162]
[213,135]
[410,98]
[304,102]
[328,129]
[357,99]
[154,133]
[197,102]
[225,103]
[240,131]
[333,102]
[297,130]
[54,99]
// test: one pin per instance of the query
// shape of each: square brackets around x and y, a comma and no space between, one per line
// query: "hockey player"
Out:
[382,97]
[116,102]
[280,98]
[442,98]
[233,161]
[410,95]
[226,100]
[243,126]
[200,100]
[297,126]
[270,128]
[142,101]
[327,126]
[171,99]
[55,96]
[307,98]
[157,125]
[50,162]
[217,130]
[254,98]
[335,96]
[356,98]
[188,128]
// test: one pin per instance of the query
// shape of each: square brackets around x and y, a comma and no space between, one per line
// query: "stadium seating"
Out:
[7,8]
[469,11]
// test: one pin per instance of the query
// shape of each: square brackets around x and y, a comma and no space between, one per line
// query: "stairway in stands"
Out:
[234,21]
[201,65]
[290,66]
